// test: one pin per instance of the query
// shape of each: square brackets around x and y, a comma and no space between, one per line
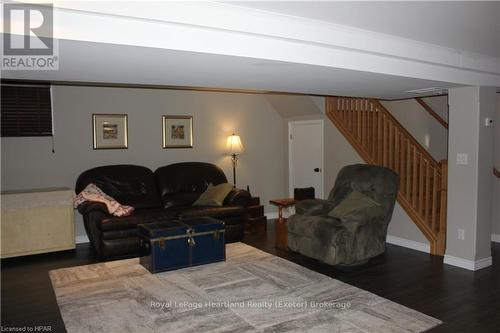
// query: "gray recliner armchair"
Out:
[358,237]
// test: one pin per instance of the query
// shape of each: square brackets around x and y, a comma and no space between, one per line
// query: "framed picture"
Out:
[177,131]
[110,131]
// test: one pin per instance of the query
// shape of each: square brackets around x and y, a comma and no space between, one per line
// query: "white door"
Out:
[305,155]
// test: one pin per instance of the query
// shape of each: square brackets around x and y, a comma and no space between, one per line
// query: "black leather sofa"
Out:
[167,193]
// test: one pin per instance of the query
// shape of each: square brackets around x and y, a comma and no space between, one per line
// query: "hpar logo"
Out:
[28,42]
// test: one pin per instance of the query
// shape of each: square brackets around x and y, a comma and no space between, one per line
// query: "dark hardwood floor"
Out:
[466,301]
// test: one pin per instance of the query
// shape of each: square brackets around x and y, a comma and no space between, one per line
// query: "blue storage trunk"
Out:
[175,244]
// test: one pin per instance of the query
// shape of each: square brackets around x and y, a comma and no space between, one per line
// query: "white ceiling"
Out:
[472,26]
[212,44]
[106,63]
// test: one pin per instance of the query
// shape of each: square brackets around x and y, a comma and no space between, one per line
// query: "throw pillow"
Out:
[214,195]
[354,202]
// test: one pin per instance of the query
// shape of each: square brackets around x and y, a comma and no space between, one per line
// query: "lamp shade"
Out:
[233,145]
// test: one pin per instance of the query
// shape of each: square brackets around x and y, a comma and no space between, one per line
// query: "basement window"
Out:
[26,110]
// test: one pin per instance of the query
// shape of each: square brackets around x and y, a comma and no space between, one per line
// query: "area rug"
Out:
[252,291]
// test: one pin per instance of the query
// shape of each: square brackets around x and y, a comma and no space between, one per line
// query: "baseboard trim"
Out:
[390,239]
[495,238]
[410,244]
[81,239]
[470,265]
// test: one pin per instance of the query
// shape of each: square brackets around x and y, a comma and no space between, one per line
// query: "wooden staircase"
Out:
[381,140]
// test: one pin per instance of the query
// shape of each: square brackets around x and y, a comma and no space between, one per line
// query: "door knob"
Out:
[317,169]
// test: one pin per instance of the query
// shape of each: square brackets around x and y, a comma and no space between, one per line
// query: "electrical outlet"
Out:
[461,234]
[462,159]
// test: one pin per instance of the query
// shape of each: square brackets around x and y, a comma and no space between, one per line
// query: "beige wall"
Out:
[290,106]
[29,162]
[421,125]
[438,104]
[495,227]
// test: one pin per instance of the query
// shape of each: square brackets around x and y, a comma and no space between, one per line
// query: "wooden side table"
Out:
[281,229]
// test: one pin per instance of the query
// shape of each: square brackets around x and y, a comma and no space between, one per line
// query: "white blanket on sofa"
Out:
[95,194]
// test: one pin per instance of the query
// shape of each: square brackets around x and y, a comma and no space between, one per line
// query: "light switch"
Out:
[462,159]
[461,234]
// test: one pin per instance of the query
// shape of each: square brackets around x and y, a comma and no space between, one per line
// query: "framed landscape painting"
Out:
[110,131]
[177,131]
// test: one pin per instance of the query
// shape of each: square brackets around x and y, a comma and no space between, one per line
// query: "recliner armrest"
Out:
[89,206]
[313,207]
[237,197]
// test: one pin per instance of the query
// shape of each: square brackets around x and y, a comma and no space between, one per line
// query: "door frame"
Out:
[291,124]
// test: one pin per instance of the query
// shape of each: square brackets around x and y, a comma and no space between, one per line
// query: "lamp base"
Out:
[234,160]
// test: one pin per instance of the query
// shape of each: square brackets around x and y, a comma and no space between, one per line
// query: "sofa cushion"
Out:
[117,234]
[354,202]
[180,184]
[214,195]
[217,212]
[113,223]
[139,217]
[180,200]
[130,185]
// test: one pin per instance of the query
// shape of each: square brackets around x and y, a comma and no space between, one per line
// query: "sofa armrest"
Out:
[237,197]
[93,213]
[313,207]
[89,206]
